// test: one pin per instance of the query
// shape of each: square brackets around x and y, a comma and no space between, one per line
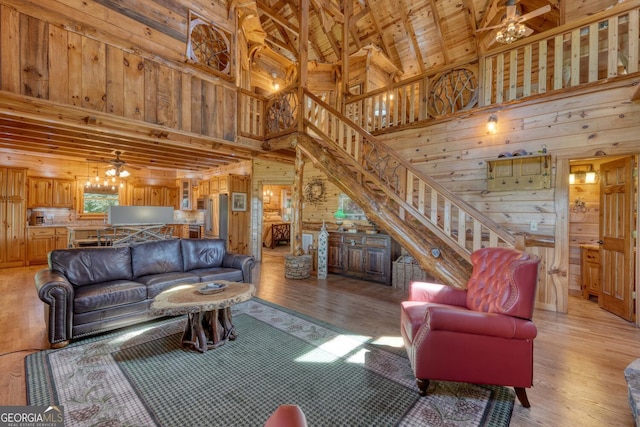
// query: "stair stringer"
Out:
[446,264]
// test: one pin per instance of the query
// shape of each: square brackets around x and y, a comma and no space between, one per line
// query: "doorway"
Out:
[601,268]
[276,220]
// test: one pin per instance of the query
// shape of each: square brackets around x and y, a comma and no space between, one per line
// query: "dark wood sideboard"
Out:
[362,256]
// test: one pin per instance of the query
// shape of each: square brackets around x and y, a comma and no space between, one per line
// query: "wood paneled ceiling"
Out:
[70,133]
[414,34]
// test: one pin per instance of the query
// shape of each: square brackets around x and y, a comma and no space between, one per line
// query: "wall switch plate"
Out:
[533,226]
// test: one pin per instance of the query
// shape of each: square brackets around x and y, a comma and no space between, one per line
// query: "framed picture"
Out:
[266,199]
[239,202]
[350,208]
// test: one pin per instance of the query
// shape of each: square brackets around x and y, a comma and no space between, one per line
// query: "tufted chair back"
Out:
[503,281]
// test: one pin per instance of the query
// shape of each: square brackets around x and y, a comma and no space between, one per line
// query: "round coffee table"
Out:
[209,322]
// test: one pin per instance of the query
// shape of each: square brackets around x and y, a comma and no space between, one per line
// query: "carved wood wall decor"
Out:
[455,90]
[208,46]
[282,112]
[315,191]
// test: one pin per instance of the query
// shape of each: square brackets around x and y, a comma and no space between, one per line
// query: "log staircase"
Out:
[435,226]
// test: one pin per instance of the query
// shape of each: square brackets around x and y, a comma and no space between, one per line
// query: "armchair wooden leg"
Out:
[423,385]
[521,393]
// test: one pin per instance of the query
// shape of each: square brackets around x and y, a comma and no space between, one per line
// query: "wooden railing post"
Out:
[296,203]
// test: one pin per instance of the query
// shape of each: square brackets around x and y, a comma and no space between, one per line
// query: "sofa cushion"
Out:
[108,294]
[156,257]
[157,283]
[202,253]
[92,265]
[219,273]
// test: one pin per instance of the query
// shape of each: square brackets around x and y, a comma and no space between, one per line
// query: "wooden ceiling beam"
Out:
[276,18]
[408,28]
[330,37]
[47,134]
[385,48]
[436,21]
[312,42]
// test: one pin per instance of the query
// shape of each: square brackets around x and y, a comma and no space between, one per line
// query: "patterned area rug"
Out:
[142,376]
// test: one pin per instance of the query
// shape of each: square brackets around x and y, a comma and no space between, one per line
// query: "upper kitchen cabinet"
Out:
[155,196]
[186,203]
[50,193]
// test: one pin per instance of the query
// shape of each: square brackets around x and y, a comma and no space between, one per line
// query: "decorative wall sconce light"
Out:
[492,124]
[582,174]
[274,83]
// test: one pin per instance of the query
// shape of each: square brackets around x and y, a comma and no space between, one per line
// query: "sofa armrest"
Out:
[437,293]
[462,320]
[241,262]
[55,290]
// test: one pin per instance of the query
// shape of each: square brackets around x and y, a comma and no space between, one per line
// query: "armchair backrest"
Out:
[503,281]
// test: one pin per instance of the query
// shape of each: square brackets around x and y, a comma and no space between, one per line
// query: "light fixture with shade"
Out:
[274,83]
[582,174]
[492,124]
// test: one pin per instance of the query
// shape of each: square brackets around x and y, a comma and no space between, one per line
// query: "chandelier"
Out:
[510,32]
[117,172]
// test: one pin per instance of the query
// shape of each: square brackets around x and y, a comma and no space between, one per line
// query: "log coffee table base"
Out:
[206,330]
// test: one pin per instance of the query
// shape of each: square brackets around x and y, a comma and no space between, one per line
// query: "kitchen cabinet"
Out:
[204,188]
[42,240]
[363,256]
[185,195]
[50,193]
[13,217]
[214,185]
[155,196]
[590,270]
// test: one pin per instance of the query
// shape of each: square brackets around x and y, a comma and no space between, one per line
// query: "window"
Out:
[96,200]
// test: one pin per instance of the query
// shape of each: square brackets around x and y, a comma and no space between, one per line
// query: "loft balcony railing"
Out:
[597,48]
[602,47]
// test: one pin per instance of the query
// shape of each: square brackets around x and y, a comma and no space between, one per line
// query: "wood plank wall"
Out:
[267,172]
[586,125]
[46,60]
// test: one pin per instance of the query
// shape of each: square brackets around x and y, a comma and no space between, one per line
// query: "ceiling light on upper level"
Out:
[511,32]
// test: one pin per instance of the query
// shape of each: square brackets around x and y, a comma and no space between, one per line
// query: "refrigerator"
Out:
[216,219]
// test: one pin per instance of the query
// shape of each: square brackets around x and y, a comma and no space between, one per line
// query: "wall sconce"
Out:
[274,83]
[582,174]
[492,124]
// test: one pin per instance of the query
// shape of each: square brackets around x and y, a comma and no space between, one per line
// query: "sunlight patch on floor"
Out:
[334,349]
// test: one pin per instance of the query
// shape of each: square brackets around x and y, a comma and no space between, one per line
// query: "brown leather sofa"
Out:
[93,290]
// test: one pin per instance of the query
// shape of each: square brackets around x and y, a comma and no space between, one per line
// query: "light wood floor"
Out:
[579,357]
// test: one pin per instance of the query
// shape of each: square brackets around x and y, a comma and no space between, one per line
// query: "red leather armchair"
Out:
[287,416]
[482,334]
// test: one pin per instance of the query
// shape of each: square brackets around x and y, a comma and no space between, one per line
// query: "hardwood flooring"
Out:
[579,357]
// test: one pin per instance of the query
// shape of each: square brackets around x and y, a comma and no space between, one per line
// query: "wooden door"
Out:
[616,227]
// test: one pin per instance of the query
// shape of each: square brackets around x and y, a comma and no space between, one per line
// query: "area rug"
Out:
[142,376]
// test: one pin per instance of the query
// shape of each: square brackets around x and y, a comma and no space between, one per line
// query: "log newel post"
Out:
[296,203]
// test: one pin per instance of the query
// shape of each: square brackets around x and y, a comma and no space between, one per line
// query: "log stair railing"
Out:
[435,226]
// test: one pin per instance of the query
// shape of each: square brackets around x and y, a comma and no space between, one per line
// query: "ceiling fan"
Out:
[118,164]
[512,28]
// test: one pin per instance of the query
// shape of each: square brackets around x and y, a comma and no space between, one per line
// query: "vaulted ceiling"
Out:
[415,35]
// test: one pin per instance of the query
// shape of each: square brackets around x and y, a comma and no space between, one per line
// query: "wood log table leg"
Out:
[194,335]
[227,324]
